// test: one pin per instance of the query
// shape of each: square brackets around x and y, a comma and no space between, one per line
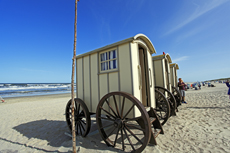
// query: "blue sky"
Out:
[36,37]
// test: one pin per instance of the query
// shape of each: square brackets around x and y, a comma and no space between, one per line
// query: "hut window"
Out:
[108,60]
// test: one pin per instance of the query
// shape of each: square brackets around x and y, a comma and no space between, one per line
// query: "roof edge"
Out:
[159,57]
[147,41]
[136,37]
[174,65]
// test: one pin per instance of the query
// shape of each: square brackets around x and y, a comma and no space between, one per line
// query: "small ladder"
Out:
[155,125]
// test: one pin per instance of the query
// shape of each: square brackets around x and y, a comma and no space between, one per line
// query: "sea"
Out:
[33,89]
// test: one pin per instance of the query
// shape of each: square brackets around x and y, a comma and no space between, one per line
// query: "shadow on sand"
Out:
[54,133]
[50,130]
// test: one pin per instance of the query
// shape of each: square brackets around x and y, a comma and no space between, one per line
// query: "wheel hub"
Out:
[118,123]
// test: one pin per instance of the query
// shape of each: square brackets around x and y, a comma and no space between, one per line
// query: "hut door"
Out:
[167,75]
[175,77]
[145,92]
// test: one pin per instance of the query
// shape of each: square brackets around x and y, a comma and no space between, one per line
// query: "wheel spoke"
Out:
[82,126]
[132,119]
[129,139]
[83,122]
[111,108]
[133,134]
[81,114]
[122,137]
[108,112]
[159,99]
[122,109]
[111,132]
[69,118]
[161,114]
[115,141]
[128,111]
[116,105]
[77,129]
[131,125]
[78,109]
[109,119]
[107,126]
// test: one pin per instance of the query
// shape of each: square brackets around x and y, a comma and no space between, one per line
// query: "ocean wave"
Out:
[9,90]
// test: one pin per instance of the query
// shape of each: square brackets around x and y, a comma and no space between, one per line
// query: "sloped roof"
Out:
[136,37]
[174,65]
[163,56]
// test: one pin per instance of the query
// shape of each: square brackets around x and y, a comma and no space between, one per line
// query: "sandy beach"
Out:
[37,124]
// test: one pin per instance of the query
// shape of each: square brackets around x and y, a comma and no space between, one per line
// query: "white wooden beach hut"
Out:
[162,79]
[123,66]
[173,71]
[162,71]
[116,83]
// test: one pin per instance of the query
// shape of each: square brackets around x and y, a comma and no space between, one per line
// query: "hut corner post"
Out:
[72,81]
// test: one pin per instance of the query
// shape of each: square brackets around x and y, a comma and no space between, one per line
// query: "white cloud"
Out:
[183,58]
[187,34]
[199,11]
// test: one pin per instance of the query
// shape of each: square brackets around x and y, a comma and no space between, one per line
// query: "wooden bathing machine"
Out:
[162,79]
[116,83]
[122,66]
[161,66]
[173,69]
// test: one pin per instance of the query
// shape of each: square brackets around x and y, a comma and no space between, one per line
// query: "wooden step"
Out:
[152,119]
[173,112]
[156,127]
[156,132]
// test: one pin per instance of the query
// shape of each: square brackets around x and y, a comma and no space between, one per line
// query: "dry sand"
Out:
[37,124]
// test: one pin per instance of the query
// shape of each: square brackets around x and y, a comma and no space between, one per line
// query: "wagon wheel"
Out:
[162,107]
[177,95]
[171,99]
[117,124]
[82,117]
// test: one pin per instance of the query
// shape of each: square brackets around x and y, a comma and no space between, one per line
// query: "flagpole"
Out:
[72,82]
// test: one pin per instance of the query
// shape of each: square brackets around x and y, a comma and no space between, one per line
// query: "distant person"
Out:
[227,84]
[2,99]
[182,86]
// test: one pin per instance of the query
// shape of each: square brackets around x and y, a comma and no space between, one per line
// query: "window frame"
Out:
[108,61]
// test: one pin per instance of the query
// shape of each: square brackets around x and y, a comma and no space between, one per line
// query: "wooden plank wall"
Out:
[158,73]
[93,85]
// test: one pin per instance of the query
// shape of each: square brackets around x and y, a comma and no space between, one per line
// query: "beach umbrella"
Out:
[72,79]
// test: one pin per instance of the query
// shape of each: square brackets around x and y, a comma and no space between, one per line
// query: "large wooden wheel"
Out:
[82,117]
[123,122]
[177,95]
[162,107]
[171,99]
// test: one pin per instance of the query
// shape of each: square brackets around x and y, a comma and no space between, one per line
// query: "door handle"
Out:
[140,77]
[151,83]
